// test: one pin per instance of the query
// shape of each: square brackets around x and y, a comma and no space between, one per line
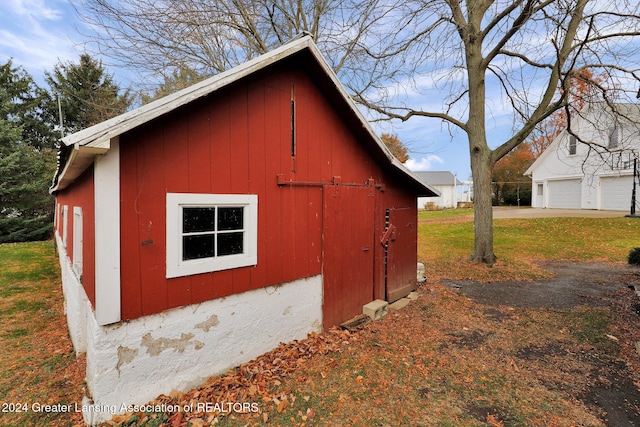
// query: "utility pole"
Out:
[60,116]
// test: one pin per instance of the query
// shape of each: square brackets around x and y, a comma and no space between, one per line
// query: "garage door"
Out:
[615,193]
[565,194]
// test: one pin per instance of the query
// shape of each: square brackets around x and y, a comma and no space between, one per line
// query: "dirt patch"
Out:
[574,284]
[611,368]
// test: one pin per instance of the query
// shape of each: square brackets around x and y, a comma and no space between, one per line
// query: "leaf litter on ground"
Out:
[443,360]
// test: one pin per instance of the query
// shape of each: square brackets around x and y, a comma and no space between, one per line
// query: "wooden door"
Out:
[401,246]
[348,248]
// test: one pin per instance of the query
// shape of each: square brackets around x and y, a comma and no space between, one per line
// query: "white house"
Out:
[592,166]
[443,181]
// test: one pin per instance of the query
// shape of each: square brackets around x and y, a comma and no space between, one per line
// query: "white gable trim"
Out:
[107,234]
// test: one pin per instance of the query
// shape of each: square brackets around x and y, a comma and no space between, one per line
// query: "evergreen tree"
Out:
[87,94]
[177,80]
[23,103]
[27,159]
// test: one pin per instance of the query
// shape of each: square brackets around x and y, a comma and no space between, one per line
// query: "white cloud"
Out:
[36,9]
[37,34]
[423,164]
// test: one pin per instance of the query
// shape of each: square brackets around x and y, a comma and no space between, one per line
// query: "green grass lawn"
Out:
[37,361]
[445,246]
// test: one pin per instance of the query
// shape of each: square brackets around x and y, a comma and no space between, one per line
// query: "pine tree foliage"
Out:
[87,94]
[27,159]
[22,103]
[177,80]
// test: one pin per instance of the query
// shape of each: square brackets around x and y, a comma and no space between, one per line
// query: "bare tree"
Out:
[158,37]
[437,59]
[530,49]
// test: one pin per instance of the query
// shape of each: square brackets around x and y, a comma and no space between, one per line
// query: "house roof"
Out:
[438,178]
[79,150]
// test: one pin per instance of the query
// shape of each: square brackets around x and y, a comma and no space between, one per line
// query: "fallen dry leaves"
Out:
[254,381]
[443,360]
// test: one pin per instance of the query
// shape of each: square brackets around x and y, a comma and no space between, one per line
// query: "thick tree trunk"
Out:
[480,153]
[483,214]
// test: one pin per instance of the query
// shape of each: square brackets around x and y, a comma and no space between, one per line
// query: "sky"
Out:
[38,34]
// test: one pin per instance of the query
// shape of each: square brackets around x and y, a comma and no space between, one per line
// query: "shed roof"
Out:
[79,149]
[438,178]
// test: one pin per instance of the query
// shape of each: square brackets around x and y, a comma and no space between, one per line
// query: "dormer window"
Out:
[614,137]
[573,145]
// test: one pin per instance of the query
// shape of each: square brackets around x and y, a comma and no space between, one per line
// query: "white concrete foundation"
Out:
[132,362]
[76,303]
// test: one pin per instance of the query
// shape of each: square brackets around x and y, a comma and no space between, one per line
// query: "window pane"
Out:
[196,247]
[230,243]
[197,219]
[230,218]
[613,137]
[572,144]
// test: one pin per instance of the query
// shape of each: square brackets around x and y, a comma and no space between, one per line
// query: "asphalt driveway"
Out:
[528,212]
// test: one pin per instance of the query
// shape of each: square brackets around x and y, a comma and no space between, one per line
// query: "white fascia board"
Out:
[98,137]
[116,126]
[107,235]
[395,162]
[80,158]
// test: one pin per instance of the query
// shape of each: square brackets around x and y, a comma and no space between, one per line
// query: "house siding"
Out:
[604,175]
[246,126]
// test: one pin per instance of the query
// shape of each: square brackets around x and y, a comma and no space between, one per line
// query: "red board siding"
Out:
[236,141]
[81,195]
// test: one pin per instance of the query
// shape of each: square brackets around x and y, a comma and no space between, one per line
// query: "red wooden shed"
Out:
[257,203]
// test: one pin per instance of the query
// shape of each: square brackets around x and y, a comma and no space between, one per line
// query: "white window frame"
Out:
[176,266]
[77,241]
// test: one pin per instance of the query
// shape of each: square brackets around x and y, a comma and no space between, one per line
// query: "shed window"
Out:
[65,224]
[210,232]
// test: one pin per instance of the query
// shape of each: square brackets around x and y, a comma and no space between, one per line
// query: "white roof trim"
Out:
[98,136]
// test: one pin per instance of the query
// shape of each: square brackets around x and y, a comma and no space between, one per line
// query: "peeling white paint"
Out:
[125,355]
[210,323]
[132,362]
